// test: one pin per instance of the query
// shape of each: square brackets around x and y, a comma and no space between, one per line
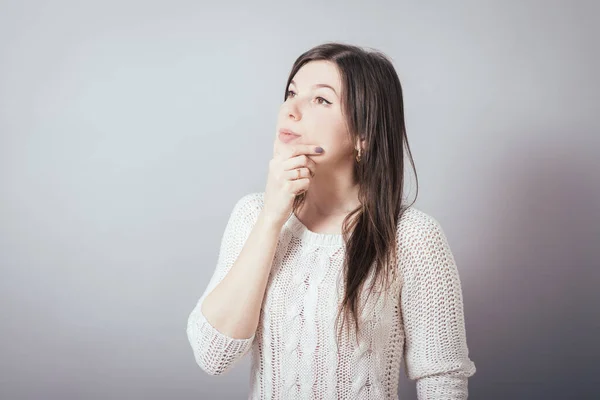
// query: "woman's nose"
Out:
[293,111]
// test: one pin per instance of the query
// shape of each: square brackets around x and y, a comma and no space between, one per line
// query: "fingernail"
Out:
[319,150]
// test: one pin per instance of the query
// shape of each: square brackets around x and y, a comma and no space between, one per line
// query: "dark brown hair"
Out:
[372,105]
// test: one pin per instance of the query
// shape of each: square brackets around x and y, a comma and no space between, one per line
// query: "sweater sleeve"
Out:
[435,352]
[214,351]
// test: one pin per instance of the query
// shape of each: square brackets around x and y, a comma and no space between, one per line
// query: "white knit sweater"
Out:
[294,351]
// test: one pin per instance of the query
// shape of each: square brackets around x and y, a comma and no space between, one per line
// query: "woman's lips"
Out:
[287,137]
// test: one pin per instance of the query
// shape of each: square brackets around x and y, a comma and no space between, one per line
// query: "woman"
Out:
[330,237]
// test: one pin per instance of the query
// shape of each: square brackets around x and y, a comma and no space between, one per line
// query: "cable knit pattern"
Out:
[295,354]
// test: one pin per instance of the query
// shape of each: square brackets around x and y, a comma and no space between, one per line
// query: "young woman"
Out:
[330,237]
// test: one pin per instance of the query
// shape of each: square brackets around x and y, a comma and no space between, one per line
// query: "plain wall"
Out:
[129,129]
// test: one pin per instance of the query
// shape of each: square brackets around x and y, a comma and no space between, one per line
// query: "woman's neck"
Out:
[327,202]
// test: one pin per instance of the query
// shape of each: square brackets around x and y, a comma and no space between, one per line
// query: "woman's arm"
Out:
[222,326]
[435,352]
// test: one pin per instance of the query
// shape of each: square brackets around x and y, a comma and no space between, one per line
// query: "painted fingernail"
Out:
[319,150]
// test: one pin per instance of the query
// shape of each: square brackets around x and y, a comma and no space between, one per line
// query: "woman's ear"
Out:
[361,142]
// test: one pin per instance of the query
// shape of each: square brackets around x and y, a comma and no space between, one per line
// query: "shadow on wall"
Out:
[531,314]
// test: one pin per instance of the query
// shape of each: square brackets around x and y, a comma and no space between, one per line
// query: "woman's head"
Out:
[312,108]
[366,111]
[364,107]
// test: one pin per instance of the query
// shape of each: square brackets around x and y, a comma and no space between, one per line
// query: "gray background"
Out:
[129,130]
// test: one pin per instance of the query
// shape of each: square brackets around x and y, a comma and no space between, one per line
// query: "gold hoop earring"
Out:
[358,156]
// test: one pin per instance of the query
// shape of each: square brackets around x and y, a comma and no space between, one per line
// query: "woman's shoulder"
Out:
[416,225]
[249,206]
[251,200]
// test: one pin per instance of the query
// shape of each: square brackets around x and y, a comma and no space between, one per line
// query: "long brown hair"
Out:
[372,105]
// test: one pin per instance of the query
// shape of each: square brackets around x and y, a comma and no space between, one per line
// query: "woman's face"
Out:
[314,112]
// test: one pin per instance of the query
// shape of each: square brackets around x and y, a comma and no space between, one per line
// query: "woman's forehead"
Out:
[318,73]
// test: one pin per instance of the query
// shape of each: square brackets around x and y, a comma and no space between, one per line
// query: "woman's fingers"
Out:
[286,152]
[298,186]
[299,173]
[298,162]
[290,172]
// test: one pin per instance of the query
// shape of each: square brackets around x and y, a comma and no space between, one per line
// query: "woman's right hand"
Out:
[290,172]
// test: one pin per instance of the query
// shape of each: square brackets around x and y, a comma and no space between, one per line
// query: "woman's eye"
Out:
[326,102]
[291,92]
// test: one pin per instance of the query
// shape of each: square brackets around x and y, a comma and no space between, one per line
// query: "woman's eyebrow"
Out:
[318,85]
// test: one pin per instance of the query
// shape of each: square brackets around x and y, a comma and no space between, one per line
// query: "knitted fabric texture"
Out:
[295,351]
